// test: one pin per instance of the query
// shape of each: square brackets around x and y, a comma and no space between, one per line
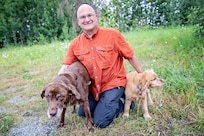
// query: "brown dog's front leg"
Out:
[61,120]
[88,116]
[74,109]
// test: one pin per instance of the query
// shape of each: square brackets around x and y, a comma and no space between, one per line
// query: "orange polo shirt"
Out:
[103,58]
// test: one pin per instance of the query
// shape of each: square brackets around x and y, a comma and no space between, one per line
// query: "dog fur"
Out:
[138,86]
[69,88]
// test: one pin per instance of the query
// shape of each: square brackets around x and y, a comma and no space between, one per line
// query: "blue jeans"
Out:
[107,108]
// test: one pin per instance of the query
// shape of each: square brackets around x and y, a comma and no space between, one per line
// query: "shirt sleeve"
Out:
[124,48]
[70,57]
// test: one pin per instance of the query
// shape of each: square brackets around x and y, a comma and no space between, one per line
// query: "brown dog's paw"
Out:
[91,129]
[60,125]
[90,126]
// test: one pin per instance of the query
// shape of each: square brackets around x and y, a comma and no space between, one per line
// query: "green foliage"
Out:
[6,121]
[189,50]
[30,22]
[2,99]
[129,14]
[180,82]
[196,17]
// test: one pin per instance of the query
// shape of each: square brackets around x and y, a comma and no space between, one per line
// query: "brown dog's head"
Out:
[150,77]
[58,95]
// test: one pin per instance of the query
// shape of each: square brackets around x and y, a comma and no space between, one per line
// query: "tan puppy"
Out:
[138,85]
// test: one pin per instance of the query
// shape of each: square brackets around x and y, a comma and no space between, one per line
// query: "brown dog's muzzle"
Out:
[53,112]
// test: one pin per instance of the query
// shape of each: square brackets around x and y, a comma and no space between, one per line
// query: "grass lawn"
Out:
[173,53]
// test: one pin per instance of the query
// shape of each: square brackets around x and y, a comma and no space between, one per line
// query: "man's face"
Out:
[87,18]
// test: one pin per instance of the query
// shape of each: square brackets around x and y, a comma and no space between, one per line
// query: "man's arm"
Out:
[62,69]
[135,63]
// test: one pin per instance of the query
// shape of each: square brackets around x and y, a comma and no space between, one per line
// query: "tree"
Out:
[196,17]
[70,7]
[128,14]
[30,21]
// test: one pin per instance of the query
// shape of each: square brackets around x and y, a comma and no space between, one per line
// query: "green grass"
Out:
[6,121]
[173,53]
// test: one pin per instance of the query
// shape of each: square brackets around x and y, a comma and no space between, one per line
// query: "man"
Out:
[101,50]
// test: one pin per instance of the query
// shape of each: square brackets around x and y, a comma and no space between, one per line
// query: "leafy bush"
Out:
[196,17]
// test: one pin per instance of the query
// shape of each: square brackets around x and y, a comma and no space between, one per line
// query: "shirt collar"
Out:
[97,29]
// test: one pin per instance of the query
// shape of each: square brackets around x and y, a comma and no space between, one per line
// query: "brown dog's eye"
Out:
[49,96]
[60,98]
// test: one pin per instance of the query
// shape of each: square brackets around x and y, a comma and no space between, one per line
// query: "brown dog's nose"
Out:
[53,112]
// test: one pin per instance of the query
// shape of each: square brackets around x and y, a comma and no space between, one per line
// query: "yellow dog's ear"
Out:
[143,83]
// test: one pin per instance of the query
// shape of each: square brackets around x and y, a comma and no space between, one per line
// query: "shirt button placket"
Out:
[94,69]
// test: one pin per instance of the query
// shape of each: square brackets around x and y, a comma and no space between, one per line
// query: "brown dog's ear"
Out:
[43,91]
[68,75]
[71,89]
[71,76]
[43,94]
[74,91]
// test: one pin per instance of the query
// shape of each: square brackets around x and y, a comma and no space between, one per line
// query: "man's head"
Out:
[87,18]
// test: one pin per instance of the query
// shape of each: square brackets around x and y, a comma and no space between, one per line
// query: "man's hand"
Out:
[136,64]
[62,69]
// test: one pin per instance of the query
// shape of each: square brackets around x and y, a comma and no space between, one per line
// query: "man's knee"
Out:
[81,112]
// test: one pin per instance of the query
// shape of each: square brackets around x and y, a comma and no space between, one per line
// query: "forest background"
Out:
[28,22]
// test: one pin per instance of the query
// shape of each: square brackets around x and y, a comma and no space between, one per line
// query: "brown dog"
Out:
[138,85]
[69,88]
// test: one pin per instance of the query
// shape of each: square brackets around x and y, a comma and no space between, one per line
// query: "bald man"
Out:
[101,51]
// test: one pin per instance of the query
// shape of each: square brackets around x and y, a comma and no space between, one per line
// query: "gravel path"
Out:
[34,126]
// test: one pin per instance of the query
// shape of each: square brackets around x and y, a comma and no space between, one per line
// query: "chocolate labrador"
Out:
[69,88]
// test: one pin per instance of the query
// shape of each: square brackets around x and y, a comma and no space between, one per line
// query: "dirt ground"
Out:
[31,124]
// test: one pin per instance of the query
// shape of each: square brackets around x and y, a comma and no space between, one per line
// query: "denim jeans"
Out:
[107,108]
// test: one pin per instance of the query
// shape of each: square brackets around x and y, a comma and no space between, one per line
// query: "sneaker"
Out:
[132,106]
[122,100]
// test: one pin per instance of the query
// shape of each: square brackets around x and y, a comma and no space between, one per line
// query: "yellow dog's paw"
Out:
[126,115]
[147,117]
[150,103]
